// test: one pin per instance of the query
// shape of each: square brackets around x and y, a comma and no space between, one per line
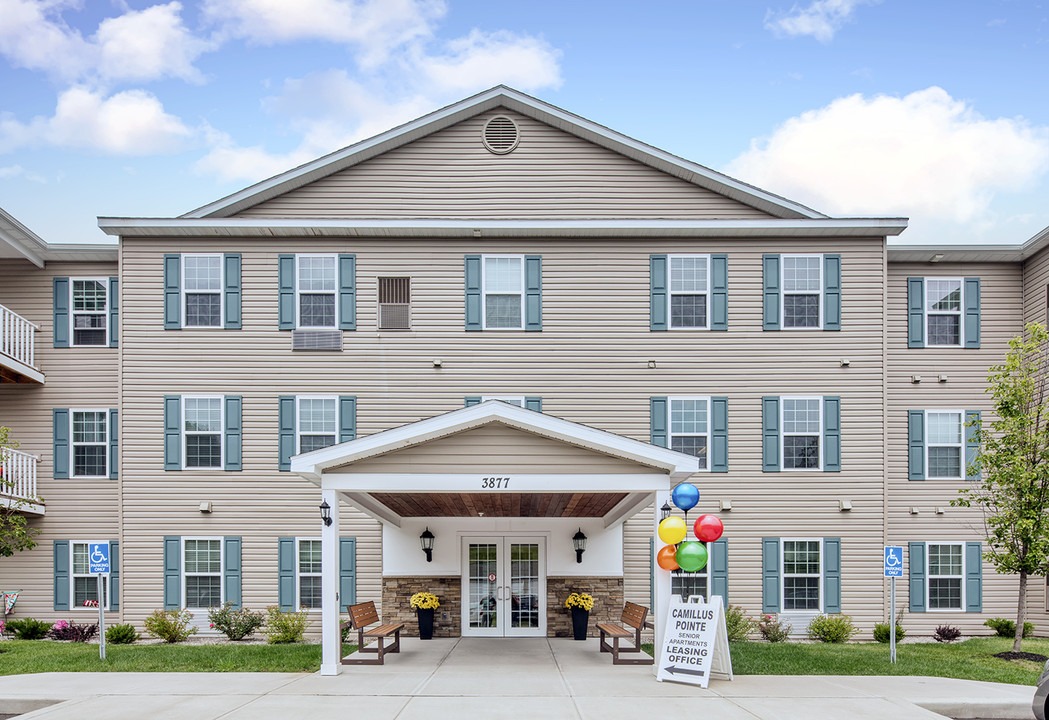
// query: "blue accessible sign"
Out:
[893,561]
[98,558]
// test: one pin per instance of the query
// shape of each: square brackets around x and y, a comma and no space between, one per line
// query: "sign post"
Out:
[695,643]
[893,570]
[98,564]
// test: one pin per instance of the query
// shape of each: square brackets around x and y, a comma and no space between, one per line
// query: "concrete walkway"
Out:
[534,678]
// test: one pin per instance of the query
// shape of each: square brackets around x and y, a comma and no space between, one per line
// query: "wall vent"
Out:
[316,340]
[394,303]
[500,135]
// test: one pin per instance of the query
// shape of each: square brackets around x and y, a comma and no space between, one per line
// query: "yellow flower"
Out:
[424,601]
[580,600]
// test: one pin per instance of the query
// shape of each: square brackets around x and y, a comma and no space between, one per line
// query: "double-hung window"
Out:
[689,291]
[202,291]
[690,427]
[802,574]
[90,311]
[202,423]
[503,286]
[944,444]
[318,422]
[202,572]
[308,570]
[802,427]
[84,585]
[802,291]
[90,443]
[316,286]
[943,311]
[946,584]
[688,584]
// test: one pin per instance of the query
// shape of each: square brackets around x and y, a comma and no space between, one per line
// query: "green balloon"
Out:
[691,556]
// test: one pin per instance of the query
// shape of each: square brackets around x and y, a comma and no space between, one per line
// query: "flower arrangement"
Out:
[583,601]
[424,601]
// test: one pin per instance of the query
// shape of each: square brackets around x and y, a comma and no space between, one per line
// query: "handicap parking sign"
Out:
[98,557]
[893,561]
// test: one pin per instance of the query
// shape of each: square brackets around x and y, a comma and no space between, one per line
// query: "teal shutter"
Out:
[114,312]
[347,292]
[114,445]
[347,571]
[286,438]
[233,432]
[719,569]
[60,306]
[770,575]
[915,444]
[286,573]
[658,422]
[533,293]
[473,292]
[770,444]
[916,588]
[172,432]
[473,400]
[172,292]
[831,433]
[114,575]
[657,292]
[347,418]
[286,292]
[231,574]
[915,312]
[60,443]
[60,563]
[771,313]
[972,442]
[973,577]
[719,292]
[832,292]
[719,434]
[172,572]
[534,403]
[972,312]
[231,289]
[832,575]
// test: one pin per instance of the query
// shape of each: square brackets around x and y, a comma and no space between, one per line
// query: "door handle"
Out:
[499,593]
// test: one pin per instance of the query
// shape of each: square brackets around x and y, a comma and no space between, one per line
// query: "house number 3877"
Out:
[495,483]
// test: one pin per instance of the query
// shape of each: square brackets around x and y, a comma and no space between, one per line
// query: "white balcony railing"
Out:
[18,476]
[17,345]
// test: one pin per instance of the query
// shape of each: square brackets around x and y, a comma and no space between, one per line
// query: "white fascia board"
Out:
[21,239]
[372,508]
[957,253]
[473,482]
[627,508]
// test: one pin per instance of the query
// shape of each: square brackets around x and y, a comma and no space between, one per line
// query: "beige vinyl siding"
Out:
[1036,287]
[551,174]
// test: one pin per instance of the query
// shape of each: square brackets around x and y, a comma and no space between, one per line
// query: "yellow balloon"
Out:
[672,530]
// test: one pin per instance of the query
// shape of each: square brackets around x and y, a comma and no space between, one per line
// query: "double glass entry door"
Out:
[504,586]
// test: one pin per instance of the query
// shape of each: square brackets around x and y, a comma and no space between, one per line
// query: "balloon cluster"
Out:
[689,556]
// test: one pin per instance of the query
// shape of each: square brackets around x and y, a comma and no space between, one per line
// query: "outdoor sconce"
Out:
[326,513]
[579,543]
[664,512]
[426,540]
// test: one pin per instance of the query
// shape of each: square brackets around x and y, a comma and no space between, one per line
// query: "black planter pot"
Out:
[580,620]
[425,623]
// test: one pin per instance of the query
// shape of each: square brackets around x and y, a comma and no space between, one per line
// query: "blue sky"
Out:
[931,110]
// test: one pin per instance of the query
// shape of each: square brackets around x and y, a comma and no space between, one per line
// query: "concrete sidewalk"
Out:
[497,678]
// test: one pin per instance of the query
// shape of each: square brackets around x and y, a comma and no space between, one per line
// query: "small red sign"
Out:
[491,577]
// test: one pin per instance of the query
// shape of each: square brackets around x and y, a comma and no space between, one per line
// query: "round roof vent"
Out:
[500,135]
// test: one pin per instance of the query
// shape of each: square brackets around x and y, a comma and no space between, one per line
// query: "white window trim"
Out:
[298,574]
[705,572]
[73,311]
[74,575]
[783,573]
[298,419]
[783,291]
[506,399]
[73,444]
[484,291]
[335,292]
[961,445]
[783,432]
[929,577]
[221,432]
[184,574]
[960,312]
[671,293]
[220,292]
[710,420]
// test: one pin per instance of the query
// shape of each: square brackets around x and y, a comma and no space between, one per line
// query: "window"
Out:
[943,311]
[945,576]
[690,427]
[202,424]
[802,290]
[802,427]
[202,291]
[801,575]
[308,568]
[90,310]
[84,586]
[202,572]
[518,400]
[944,444]
[90,443]
[689,286]
[315,290]
[395,297]
[687,584]
[503,291]
[317,422]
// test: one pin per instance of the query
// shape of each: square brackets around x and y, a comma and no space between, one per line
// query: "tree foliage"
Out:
[1013,461]
[15,532]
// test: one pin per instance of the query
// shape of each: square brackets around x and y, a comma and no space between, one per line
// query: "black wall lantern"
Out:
[664,512]
[326,513]
[426,540]
[579,543]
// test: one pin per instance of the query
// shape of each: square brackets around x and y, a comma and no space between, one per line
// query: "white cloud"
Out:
[926,155]
[17,171]
[821,19]
[482,60]
[33,36]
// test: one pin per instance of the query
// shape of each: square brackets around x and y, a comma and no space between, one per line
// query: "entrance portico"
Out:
[490,481]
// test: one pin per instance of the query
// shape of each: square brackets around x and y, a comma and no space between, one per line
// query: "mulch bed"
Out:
[1033,657]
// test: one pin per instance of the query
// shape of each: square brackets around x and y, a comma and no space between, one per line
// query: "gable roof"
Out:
[18,241]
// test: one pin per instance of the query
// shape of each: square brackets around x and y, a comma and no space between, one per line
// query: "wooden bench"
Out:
[361,616]
[633,616]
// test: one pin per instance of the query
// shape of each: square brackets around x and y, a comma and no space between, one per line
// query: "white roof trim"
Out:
[312,465]
[22,240]
[502,96]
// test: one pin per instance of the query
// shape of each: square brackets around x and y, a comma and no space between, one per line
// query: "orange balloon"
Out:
[665,557]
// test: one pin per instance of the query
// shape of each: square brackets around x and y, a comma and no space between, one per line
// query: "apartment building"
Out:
[497,328]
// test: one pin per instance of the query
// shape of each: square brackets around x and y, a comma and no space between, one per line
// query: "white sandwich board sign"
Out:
[695,643]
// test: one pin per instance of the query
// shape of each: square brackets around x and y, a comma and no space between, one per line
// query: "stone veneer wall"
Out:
[608,602]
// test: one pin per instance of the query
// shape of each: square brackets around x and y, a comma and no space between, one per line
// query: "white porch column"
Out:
[331,642]
[661,580]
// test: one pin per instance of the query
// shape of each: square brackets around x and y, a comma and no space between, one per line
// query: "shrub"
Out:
[832,628]
[772,629]
[883,632]
[235,624]
[72,632]
[29,629]
[1007,628]
[171,626]
[285,627]
[738,624]
[121,634]
[946,634]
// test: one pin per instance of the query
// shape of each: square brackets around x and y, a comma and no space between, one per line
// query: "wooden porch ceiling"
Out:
[500,504]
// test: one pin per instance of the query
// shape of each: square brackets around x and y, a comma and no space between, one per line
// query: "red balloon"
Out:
[665,557]
[708,528]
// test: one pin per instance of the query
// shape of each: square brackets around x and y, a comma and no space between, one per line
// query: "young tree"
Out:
[15,533]
[1013,491]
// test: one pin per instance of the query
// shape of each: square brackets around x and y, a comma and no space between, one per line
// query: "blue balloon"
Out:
[685,496]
